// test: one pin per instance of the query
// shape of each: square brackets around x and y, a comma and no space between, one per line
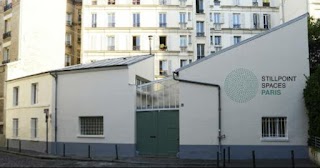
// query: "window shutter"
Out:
[269,21]
[222,17]
[243,20]
[230,20]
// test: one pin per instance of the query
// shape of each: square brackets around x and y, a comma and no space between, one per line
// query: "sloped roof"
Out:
[244,41]
[124,61]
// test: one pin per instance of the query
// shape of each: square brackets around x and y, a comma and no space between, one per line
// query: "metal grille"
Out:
[274,127]
[91,125]
[314,141]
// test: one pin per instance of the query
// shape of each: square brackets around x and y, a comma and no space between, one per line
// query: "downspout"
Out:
[220,136]
[55,112]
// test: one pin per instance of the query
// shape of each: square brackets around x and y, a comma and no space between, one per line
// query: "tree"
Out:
[312,101]
[314,43]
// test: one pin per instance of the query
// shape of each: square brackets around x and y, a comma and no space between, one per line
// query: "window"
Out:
[199,6]
[163,67]
[236,2]
[183,3]
[136,2]
[6,53]
[1,129]
[16,96]
[7,26]
[94,2]
[136,20]
[163,42]
[236,39]
[15,127]
[216,2]
[266,21]
[67,60]
[200,29]
[111,20]
[217,18]
[183,22]
[69,19]
[255,3]
[163,2]
[274,127]
[79,15]
[8,5]
[162,20]
[91,125]
[183,41]
[111,2]
[200,51]
[34,93]
[217,40]
[183,62]
[266,3]
[68,39]
[256,21]
[189,16]
[34,127]
[236,21]
[111,43]
[136,43]
[190,39]
[94,20]
[211,40]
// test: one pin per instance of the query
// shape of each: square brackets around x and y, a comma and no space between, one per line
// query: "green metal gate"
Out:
[158,132]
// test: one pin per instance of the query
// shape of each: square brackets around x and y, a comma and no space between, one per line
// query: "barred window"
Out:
[91,125]
[274,127]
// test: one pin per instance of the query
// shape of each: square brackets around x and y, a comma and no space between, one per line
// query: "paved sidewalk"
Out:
[168,162]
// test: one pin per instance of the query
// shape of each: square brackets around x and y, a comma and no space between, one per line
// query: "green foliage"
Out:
[312,101]
[314,43]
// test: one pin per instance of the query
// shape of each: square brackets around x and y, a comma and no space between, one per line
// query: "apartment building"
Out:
[34,39]
[176,31]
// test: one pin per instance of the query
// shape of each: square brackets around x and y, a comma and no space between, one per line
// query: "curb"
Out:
[51,157]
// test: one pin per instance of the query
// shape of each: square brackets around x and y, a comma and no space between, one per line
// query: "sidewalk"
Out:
[169,162]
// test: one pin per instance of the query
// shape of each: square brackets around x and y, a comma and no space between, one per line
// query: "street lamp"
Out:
[150,38]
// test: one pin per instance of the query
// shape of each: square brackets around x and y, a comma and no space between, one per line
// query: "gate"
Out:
[157,118]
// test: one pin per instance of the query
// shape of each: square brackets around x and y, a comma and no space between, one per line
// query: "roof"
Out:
[244,41]
[114,62]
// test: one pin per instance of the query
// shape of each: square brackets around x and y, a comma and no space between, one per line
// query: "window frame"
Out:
[34,93]
[15,127]
[34,128]
[275,120]
[102,130]
[15,96]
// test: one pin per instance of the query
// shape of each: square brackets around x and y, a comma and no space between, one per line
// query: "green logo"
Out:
[241,85]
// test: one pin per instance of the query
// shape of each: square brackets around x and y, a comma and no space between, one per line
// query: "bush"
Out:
[312,101]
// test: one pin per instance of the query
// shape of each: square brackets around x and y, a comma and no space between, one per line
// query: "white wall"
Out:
[25,110]
[274,54]
[294,9]
[42,37]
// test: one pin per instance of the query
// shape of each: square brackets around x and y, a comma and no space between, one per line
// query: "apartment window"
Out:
[183,3]
[190,39]
[67,60]
[94,20]
[274,127]
[16,96]
[256,21]
[217,40]
[200,29]
[136,2]
[7,26]
[34,93]
[255,3]
[183,41]
[236,21]
[136,43]
[91,125]
[266,21]
[236,2]
[94,2]
[162,20]
[211,40]
[79,15]
[182,17]
[6,53]
[68,39]
[163,2]
[15,127]
[217,18]
[163,42]
[34,127]
[8,5]
[200,51]
[199,6]
[69,19]
[111,20]
[183,62]
[136,20]
[111,43]
[163,67]
[266,3]
[216,2]
[1,129]
[111,2]
[236,39]
[189,16]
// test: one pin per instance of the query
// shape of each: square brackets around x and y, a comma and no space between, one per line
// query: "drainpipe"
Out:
[55,112]
[220,136]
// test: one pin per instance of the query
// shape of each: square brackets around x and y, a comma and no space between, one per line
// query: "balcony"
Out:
[183,3]
[217,26]
[7,7]
[5,61]
[255,3]
[183,49]
[183,25]
[68,44]
[136,48]
[136,2]
[163,47]
[216,3]
[163,2]
[111,48]
[266,4]
[200,34]
[200,56]
[163,72]
[79,40]
[236,26]
[6,34]
[69,23]
[200,11]
[136,25]
[162,24]
[112,24]
[265,26]
[218,47]
[94,25]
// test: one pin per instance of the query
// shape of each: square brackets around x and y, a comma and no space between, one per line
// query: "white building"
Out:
[252,99]
[182,30]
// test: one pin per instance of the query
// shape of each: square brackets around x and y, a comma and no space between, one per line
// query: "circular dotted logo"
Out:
[241,85]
